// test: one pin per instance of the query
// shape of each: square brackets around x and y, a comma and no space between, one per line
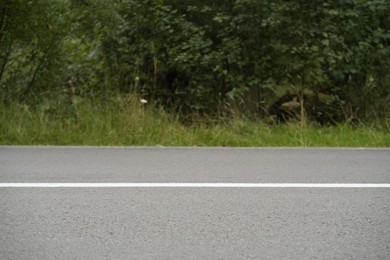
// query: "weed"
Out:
[127,121]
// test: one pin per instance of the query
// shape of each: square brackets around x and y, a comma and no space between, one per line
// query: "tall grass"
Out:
[125,121]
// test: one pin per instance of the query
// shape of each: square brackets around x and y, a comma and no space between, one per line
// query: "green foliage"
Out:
[329,53]
[123,120]
[181,57]
[31,35]
[199,57]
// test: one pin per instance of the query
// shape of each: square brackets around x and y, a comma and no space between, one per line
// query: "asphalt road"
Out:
[194,223]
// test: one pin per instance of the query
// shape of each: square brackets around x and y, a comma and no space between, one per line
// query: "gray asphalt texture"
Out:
[194,223]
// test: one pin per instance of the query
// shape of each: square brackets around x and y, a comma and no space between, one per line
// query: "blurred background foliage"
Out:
[201,57]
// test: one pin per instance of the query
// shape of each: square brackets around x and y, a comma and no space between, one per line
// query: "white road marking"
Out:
[194,185]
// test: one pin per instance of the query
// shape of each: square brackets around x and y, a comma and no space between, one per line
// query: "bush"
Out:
[195,57]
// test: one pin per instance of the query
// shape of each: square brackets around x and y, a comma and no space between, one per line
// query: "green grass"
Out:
[127,122]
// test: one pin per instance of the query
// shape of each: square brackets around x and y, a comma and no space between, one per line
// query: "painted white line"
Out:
[194,185]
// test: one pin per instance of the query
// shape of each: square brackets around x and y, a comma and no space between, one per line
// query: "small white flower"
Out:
[143,101]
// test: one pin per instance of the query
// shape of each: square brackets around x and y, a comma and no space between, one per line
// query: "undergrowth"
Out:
[128,122]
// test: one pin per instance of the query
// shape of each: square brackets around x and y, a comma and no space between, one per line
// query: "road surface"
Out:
[194,222]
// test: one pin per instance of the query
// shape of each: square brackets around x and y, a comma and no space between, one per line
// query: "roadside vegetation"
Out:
[126,121]
[213,73]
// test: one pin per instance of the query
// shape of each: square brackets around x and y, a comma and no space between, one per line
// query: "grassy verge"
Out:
[128,122]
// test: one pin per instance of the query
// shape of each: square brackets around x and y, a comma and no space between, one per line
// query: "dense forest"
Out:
[329,58]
